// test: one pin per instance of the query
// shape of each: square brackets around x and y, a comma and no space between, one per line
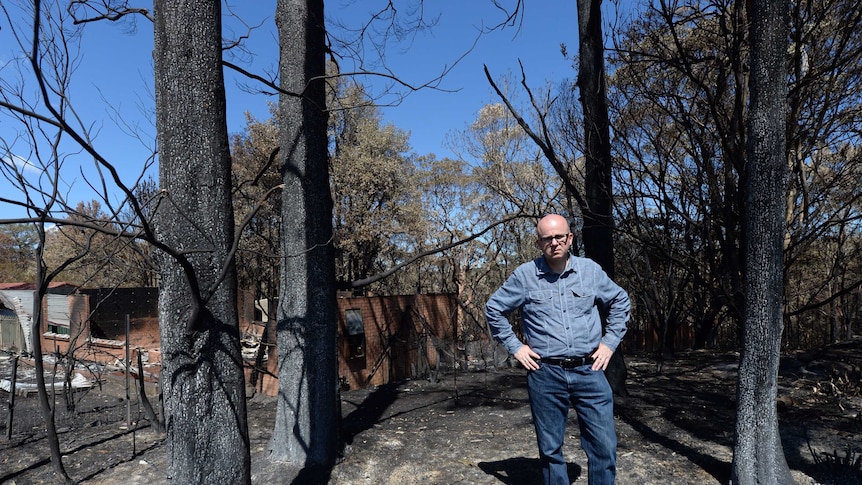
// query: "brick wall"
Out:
[398,337]
[402,337]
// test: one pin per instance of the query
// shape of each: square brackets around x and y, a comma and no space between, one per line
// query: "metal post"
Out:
[13,379]
[128,365]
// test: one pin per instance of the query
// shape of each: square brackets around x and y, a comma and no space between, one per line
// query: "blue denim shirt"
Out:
[559,312]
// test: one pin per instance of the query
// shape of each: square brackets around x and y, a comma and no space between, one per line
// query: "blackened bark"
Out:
[306,422]
[758,454]
[202,374]
[36,329]
[598,185]
[598,231]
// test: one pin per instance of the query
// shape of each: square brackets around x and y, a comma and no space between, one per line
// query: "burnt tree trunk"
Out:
[758,456]
[202,374]
[598,185]
[598,220]
[46,404]
[306,422]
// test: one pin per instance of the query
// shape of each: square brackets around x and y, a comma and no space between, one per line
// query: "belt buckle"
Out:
[579,361]
[571,362]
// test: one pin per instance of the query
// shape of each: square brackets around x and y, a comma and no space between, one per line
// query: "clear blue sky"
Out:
[115,73]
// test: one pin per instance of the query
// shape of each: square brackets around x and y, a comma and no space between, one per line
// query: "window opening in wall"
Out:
[58,328]
[355,333]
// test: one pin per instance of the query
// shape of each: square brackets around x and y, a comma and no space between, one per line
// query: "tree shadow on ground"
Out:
[313,475]
[368,412]
[9,478]
[522,471]
[375,408]
[719,469]
[85,446]
[139,452]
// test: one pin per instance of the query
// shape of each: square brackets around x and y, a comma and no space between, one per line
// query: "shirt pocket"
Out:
[540,297]
[582,303]
[540,304]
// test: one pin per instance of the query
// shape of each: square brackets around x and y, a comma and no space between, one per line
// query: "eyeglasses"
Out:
[560,238]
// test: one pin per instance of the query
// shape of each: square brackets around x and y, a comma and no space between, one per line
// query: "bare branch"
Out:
[543,142]
[231,255]
[83,11]
[430,252]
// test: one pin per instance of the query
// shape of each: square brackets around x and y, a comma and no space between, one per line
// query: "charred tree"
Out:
[202,374]
[598,233]
[758,454]
[306,422]
[45,404]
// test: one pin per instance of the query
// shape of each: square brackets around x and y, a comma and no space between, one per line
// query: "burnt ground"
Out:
[676,427]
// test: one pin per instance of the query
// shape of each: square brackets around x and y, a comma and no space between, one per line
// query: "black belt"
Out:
[569,363]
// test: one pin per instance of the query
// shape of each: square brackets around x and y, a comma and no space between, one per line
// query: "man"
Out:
[560,297]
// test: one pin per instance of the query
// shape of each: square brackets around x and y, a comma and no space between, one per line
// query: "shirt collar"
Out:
[542,266]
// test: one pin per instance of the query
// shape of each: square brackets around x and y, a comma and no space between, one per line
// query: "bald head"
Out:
[552,224]
[554,240]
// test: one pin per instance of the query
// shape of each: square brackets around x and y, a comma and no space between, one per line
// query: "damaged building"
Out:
[381,339]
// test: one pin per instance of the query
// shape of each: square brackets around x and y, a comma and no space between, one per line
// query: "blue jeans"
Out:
[552,389]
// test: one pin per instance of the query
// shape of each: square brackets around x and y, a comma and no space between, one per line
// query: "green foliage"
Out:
[390,205]
[93,252]
[17,253]
[254,174]
[377,207]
